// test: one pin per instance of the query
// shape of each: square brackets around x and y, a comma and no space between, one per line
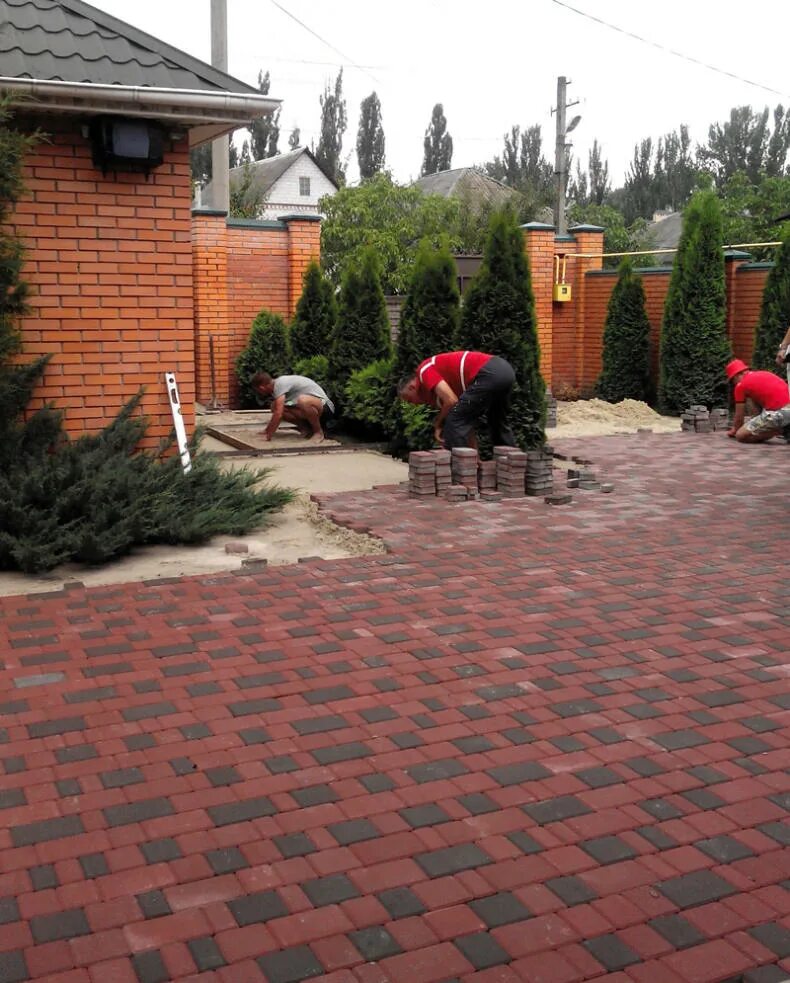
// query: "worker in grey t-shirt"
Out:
[298,400]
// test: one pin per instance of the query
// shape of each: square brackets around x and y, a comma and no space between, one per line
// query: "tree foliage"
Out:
[265,131]
[746,143]
[370,138]
[617,237]
[438,144]
[430,315]
[499,317]
[694,346]
[389,218]
[749,210]
[774,311]
[626,368]
[523,167]
[362,333]
[315,317]
[267,350]
[294,138]
[368,398]
[246,199]
[333,127]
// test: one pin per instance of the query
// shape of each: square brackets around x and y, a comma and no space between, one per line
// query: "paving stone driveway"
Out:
[530,743]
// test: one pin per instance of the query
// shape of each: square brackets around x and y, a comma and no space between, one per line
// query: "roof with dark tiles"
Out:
[71,41]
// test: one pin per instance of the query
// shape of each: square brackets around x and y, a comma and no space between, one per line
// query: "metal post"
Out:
[220,181]
[560,160]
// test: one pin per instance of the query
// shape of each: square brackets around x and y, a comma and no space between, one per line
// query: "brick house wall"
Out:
[109,260]
[241,267]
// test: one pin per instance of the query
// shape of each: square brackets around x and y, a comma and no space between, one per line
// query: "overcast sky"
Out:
[494,65]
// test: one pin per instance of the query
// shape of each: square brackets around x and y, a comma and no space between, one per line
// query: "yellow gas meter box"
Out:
[562,292]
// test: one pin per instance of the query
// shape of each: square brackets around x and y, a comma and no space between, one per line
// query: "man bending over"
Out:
[463,386]
[297,400]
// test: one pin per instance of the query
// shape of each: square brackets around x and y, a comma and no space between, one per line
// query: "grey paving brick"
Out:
[611,952]
[452,860]
[329,890]
[375,943]
[500,909]
[240,812]
[698,888]
[138,812]
[290,965]
[66,924]
[353,831]
[427,815]
[556,810]
[45,830]
[572,890]
[262,906]
[401,902]
[677,930]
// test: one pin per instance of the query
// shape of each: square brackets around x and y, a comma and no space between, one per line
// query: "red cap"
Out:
[734,367]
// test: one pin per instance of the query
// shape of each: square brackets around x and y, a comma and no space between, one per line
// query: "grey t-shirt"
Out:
[293,386]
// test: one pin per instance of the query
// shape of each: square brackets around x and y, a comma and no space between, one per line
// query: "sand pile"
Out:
[592,417]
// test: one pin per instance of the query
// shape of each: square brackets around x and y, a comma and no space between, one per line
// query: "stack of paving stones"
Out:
[696,419]
[511,471]
[720,418]
[422,474]
[444,476]
[551,409]
[539,477]
[464,469]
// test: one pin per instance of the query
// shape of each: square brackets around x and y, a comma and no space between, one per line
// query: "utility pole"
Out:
[220,180]
[561,156]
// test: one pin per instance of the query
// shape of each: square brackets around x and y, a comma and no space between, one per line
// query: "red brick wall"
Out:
[242,267]
[745,283]
[110,265]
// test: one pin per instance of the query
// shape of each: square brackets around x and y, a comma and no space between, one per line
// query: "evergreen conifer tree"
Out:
[694,345]
[438,144]
[430,314]
[18,438]
[315,316]
[625,370]
[267,350]
[429,322]
[499,317]
[370,137]
[94,498]
[362,333]
[774,312]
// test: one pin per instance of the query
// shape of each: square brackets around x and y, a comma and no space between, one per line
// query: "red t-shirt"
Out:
[766,389]
[457,369]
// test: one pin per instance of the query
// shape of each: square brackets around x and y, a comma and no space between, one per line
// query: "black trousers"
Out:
[488,395]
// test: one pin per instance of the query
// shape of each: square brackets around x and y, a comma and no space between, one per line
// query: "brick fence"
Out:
[571,332]
[240,267]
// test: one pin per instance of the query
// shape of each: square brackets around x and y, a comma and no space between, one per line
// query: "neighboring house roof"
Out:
[265,173]
[71,57]
[665,234]
[464,181]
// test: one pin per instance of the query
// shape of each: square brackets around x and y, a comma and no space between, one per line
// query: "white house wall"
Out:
[284,197]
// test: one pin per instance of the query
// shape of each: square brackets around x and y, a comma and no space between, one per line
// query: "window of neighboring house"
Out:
[304,185]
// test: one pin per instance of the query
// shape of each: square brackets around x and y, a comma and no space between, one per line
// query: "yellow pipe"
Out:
[655,252]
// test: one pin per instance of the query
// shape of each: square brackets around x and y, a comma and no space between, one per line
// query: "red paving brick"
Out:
[528,743]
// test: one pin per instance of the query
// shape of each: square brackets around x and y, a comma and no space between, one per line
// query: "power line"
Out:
[324,41]
[671,51]
[304,61]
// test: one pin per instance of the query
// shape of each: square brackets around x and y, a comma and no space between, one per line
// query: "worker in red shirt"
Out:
[463,386]
[767,391]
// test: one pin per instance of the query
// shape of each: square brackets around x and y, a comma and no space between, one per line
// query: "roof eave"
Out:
[207,114]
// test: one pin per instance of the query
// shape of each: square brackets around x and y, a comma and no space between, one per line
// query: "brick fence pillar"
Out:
[304,245]
[589,241]
[210,278]
[539,247]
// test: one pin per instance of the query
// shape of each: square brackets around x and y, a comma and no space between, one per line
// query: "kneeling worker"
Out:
[769,392]
[296,399]
[463,386]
